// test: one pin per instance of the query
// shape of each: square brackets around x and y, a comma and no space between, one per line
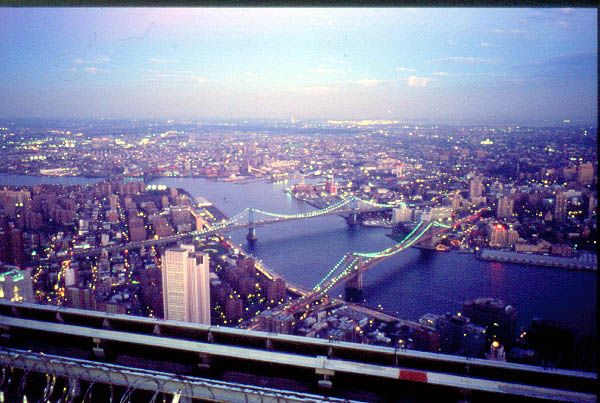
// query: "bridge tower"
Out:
[353,217]
[354,285]
[251,230]
[430,240]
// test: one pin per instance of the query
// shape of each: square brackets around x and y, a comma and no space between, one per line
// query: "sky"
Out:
[483,65]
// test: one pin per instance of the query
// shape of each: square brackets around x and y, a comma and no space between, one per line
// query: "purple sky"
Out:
[445,65]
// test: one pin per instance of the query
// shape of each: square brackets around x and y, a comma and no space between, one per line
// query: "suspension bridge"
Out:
[250,219]
[351,266]
[143,174]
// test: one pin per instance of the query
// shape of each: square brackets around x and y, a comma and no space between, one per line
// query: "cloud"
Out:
[513,31]
[90,69]
[565,11]
[98,60]
[367,82]
[318,90]
[180,75]
[414,81]
[486,45]
[568,60]
[323,70]
[461,60]
[155,60]
[487,74]
[518,32]
[405,69]
[441,74]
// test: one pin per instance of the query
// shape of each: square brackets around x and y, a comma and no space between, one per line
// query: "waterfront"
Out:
[31,180]
[409,284]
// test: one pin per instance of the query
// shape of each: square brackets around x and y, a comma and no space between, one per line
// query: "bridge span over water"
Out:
[351,266]
[249,219]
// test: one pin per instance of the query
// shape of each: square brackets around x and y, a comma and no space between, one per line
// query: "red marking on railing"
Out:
[413,376]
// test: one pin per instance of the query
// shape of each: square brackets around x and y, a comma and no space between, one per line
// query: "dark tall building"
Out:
[553,341]
[5,251]
[560,207]
[498,318]
[137,231]
[585,173]
[17,248]
[81,298]
[459,336]
[3,223]
[151,290]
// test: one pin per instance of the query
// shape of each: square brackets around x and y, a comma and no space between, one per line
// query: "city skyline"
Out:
[484,65]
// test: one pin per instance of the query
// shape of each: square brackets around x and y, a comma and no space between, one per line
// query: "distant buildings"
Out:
[12,247]
[585,173]
[330,186]
[560,207]
[15,284]
[457,335]
[81,298]
[498,235]
[505,207]
[475,189]
[186,287]
[402,214]
[495,315]
[137,230]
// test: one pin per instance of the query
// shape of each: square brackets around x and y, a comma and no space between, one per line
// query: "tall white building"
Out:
[506,206]
[402,214]
[441,213]
[186,286]
[475,189]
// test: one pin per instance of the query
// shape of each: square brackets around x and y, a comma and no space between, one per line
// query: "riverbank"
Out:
[586,262]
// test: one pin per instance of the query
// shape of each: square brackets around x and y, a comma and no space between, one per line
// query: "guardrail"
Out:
[151,342]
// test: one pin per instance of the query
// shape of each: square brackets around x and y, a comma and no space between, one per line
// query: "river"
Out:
[409,284]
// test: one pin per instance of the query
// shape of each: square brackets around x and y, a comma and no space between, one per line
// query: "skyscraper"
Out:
[330,186]
[5,247]
[585,173]
[186,287]
[498,236]
[560,207]
[17,247]
[475,188]
[498,318]
[402,214]
[505,207]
